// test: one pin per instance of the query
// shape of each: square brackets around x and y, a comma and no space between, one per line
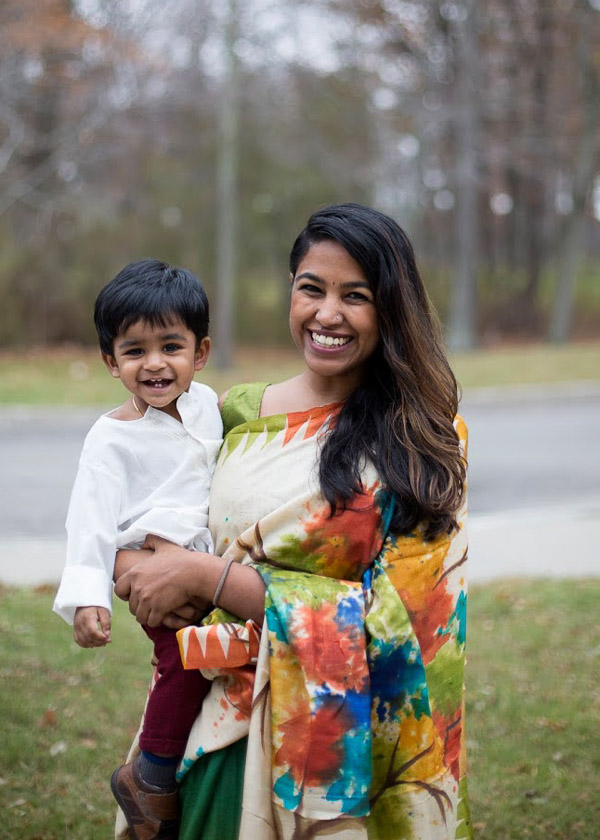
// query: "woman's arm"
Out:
[173,577]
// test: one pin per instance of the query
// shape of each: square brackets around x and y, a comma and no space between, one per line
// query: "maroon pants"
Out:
[175,700]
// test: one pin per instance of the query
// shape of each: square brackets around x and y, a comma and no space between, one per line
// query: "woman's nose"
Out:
[329,314]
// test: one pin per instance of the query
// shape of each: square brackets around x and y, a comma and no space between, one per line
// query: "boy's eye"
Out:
[134,351]
[171,348]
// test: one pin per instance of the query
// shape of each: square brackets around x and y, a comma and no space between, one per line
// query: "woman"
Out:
[340,497]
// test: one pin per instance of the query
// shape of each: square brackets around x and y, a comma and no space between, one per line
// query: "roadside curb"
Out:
[574,389]
[553,541]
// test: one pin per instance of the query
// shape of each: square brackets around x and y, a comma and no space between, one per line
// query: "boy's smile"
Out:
[157,363]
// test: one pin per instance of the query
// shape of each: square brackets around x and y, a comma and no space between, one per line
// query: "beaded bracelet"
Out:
[221,583]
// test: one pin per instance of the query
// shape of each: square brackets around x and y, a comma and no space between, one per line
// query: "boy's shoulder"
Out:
[200,391]
[105,436]
[199,410]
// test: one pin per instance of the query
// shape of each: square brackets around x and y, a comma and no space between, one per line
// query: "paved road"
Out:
[534,473]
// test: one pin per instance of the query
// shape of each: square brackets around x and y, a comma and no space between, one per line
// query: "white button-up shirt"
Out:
[138,477]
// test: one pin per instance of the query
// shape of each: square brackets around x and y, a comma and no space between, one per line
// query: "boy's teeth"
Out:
[328,340]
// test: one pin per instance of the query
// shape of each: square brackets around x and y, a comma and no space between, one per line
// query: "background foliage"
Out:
[475,124]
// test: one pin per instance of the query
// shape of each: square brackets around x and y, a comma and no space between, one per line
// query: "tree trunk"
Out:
[585,163]
[463,313]
[227,189]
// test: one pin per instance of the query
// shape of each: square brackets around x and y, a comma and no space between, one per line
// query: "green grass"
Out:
[76,376]
[533,710]
[68,716]
[533,714]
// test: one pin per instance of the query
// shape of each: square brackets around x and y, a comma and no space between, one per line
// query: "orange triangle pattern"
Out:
[316,417]
[222,646]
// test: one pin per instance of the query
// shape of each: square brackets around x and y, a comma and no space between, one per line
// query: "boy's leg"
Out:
[175,700]
[146,789]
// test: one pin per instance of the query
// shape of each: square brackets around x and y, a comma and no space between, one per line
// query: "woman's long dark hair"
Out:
[401,416]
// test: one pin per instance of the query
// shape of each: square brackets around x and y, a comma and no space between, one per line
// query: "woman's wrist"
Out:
[242,592]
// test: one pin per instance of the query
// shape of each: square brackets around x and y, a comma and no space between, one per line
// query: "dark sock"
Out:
[157,770]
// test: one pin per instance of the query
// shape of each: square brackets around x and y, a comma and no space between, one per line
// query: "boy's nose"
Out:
[154,361]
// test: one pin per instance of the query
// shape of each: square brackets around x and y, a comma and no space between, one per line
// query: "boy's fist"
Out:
[91,626]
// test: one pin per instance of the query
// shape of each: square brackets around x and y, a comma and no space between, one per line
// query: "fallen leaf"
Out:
[552,725]
[48,720]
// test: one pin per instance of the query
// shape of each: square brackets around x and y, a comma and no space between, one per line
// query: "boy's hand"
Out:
[85,626]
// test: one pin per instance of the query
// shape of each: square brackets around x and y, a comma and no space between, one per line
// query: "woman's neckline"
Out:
[331,404]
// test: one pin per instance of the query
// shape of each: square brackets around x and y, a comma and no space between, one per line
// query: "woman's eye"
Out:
[358,296]
[310,288]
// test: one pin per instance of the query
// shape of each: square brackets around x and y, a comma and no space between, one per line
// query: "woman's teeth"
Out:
[328,340]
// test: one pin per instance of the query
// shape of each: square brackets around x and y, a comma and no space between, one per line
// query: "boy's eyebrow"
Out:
[131,342]
[349,284]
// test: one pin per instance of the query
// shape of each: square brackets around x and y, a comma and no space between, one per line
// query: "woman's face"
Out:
[333,319]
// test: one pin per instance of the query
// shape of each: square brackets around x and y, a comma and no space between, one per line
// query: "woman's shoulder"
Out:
[241,404]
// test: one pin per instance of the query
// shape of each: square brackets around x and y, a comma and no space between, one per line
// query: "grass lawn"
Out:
[76,375]
[533,705]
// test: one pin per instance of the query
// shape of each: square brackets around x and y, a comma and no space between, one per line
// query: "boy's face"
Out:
[157,364]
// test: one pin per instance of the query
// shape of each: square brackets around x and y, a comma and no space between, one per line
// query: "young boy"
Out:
[146,468]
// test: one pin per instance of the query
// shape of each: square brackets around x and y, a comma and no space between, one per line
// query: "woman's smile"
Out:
[329,341]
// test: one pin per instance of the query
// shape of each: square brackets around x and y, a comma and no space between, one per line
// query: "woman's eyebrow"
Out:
[355,284]
[349,284]
[310,276]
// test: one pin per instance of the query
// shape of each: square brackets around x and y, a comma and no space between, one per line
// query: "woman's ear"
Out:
[202,353]
[111,365]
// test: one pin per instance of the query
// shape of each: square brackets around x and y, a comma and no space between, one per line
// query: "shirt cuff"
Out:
[82,586]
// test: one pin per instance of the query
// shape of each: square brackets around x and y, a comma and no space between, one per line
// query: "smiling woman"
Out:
[333,319]
[335,708]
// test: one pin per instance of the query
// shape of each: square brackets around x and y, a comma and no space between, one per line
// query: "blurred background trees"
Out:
[205,132]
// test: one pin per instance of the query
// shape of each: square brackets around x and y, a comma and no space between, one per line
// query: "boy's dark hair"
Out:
[151,291]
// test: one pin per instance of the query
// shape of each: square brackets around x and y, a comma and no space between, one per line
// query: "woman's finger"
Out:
[187,612]
[123,586]
[175,622]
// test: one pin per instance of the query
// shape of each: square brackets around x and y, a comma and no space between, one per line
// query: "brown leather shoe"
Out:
[152,813]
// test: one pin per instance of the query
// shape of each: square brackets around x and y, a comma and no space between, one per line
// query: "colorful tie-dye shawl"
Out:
[351,693]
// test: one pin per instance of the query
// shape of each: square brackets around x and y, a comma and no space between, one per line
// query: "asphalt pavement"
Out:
[534,483]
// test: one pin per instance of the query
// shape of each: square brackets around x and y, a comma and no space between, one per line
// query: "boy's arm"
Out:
[91,543]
